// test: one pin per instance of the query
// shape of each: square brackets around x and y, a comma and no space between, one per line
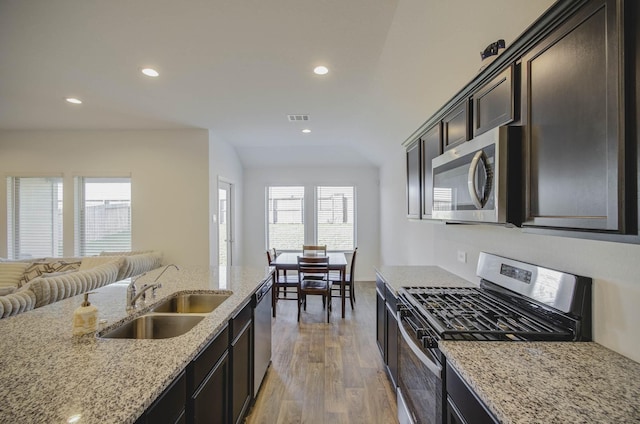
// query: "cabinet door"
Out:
[208,382]
[455,125]
[493,103]
[210,403]
[571,89]
[431,147]
[463,405]
[392,343]
[169,407]
[380,324]
[413,181]
[241,366]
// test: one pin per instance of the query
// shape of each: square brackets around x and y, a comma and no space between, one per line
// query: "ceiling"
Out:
[234,67]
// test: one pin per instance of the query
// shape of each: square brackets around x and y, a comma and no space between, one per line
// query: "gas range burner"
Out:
[515,301]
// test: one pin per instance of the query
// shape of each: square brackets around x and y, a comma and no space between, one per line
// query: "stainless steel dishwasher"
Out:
[262,338]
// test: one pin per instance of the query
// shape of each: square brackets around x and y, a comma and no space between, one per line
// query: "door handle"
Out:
[471,180]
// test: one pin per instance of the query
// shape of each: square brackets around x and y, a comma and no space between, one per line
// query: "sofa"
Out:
[26,285]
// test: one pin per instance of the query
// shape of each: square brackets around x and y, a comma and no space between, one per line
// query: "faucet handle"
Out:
[154,288]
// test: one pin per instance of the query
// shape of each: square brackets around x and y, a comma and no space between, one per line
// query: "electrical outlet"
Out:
[462,256]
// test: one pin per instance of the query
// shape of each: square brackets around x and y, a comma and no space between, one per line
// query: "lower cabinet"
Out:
[387,329]
[463,406]
[169,408]
[241,363]
[208,381]
[217,386]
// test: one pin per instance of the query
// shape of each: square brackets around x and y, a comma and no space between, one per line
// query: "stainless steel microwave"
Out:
[481,180]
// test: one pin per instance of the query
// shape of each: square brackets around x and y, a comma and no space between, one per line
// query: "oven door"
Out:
[420,390]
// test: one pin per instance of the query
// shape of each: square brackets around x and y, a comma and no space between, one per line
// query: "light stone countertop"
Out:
[420,276]
[48,376]
[549,382]
[535,382]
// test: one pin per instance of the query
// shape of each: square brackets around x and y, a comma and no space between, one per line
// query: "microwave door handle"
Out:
[471,180]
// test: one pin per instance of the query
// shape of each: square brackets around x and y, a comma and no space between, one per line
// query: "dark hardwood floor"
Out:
[326,373]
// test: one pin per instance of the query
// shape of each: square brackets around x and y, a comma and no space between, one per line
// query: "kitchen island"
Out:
[47,375]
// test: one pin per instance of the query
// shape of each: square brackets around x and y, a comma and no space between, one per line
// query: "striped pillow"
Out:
[10,273]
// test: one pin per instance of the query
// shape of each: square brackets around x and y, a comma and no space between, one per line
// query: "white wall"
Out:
[615,267]
[169,172]
[225,165]
[365,179]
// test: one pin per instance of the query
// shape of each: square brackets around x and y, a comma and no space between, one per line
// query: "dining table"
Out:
[337,262]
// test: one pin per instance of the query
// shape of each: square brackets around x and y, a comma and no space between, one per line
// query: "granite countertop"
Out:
[549,382]
[535,382]
[47,375]
[421,276]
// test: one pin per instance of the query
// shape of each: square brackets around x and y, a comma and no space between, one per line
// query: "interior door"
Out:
[225,224]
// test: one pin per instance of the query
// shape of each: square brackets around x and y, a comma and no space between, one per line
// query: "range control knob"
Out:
[429,342]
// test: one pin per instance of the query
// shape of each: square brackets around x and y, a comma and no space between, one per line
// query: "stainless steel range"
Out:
[516,301]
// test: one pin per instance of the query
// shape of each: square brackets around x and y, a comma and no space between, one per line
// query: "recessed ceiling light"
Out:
[306,130]
[73,100]
[150,72]
[321,70]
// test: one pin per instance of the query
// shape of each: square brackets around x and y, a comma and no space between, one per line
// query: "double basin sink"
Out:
[170,318]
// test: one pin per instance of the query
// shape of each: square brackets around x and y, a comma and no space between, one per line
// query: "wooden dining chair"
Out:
[313,279]
[349,279]
[314,250]
[284,284]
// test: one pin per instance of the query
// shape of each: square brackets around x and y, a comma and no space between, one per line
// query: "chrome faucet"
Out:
[132,296]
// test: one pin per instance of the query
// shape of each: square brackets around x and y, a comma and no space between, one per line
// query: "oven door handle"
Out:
[435,368]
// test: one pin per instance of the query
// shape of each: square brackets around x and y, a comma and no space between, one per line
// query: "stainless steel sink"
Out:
[154,327]
[200,303]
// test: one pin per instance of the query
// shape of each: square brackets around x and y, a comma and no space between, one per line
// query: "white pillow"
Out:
[94,261]
[11,272]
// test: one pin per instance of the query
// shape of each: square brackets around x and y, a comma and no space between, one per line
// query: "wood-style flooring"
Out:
[326,373]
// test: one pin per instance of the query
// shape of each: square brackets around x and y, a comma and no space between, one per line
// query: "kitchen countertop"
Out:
[421,276]
[549,382]
[535,382]
[47,375]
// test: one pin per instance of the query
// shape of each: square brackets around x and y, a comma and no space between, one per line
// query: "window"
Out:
[285,220]
[34,210]
[104,215]
[335,217]
[330,217]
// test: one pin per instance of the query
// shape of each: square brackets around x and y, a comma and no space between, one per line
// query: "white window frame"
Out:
[310,212]
[79,180]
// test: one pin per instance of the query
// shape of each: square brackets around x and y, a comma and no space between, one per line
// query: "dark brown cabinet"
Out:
[463,405]
[241,363]
[169,408]
[455,125]
[431,147]
[413,181]
[572,90]
[494,103]
[208,380]
[387,329]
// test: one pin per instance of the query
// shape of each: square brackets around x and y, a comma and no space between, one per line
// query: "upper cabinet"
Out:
[431,147]
[571,81]
[413,181]
[572,100]
[494,103]
[455,125]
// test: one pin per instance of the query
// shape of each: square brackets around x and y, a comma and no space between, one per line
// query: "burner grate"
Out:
[471,314]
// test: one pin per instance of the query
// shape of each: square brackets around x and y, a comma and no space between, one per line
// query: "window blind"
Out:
[34,210]
[335,217]
[104,215]
[285,217]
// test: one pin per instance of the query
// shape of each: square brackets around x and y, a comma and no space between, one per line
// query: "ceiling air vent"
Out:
[298,118]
